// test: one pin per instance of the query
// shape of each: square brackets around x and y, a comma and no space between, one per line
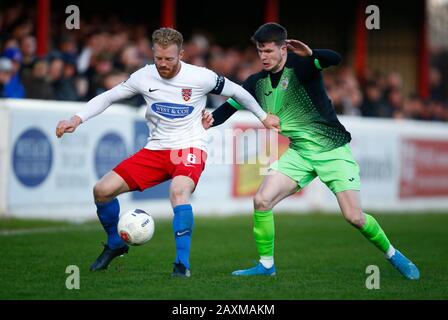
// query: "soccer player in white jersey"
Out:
[175,93]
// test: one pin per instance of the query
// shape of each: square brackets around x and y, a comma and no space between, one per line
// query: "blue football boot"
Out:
[258,270]
[404,265]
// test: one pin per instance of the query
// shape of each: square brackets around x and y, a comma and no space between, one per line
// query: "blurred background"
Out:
[391,92]
[399,71]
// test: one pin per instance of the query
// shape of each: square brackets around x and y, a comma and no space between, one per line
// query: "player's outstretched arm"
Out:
[220,115]
[245,99]
[67,126]
[97,105]
[326,58]
[101,102]
[318,59]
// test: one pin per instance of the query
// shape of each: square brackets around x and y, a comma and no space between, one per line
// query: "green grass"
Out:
[317,257]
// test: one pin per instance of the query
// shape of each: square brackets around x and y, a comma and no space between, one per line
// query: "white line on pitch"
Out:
[15,232]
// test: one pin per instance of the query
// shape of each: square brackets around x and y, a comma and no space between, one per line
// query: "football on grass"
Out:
[136,227]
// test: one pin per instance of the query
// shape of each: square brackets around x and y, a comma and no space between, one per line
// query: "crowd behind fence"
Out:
[86,62]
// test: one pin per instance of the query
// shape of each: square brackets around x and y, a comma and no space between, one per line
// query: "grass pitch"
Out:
[317,257]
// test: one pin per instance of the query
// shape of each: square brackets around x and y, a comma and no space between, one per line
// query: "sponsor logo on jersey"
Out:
[186,94]
[171,110]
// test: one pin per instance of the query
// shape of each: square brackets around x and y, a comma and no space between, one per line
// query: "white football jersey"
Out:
[174,106]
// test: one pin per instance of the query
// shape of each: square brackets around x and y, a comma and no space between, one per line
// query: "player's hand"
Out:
[298,47]
[272,122]
[67,126]
[207,119]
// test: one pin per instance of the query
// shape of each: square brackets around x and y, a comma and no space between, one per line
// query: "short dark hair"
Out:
[270,32]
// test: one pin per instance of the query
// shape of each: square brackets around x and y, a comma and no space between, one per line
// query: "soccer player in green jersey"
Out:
[290,86]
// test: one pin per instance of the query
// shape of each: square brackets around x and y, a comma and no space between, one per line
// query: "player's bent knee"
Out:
[179,195]
[102,193]
[356,219]
[262,203]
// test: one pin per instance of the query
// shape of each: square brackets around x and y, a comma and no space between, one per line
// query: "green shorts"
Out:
[336,168]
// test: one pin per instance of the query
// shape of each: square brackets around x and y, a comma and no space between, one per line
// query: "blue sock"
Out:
[183,227]
[108,214]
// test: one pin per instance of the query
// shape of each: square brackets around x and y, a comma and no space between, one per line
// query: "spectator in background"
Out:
[28,48]
[438,111]
[96,43]
[11,43]
[39,85]
[394,81]
[395,103]
[130,59]
[101,65]
[115,77]
[435,85]
[56,67]
[107,46]
[24,28]
[61,76]
[5,75]
[82,87]
[373,104]
[336,96]
[14,88]
[117,42]
[65,88]
[68,46]
[196,49]
[145,50]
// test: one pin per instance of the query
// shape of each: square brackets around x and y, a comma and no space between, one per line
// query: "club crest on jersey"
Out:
[284,84]
[186,94]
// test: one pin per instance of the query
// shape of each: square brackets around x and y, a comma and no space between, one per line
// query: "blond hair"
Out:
[165,37]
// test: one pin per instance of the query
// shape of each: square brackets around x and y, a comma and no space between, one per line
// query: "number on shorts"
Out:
[191,158]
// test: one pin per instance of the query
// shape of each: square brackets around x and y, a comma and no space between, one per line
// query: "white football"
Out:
[136,227]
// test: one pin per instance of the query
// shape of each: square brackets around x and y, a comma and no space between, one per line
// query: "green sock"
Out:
[373,232]
[264,232]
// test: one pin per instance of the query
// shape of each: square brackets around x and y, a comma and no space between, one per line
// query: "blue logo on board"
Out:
[32,157]
[109,152]
[171,110]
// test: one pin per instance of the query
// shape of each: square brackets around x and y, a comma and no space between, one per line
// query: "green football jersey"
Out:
[297,96]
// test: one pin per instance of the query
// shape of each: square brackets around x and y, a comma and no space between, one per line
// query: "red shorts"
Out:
[147,168]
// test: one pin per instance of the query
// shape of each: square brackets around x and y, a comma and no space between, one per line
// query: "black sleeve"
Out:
[249,85]
[326,57]
[307,67]
[226,110]
[222,113]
